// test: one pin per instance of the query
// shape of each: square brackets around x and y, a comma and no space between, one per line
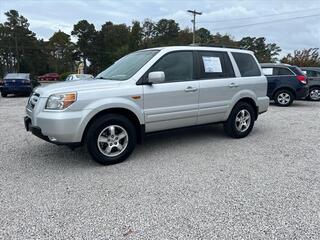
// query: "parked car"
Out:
[16,83]
[74,77]
[313,74]
[49,77]
[148,91]
[286,83]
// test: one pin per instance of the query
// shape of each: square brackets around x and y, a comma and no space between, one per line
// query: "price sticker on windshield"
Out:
[212,64]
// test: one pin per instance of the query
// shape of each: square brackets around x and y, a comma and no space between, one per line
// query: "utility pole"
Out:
[194,13]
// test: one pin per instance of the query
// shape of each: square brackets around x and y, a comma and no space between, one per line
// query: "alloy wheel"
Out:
[284,98]
[243,120]
[112,140]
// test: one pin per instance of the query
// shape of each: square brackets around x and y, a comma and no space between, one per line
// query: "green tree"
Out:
[303,58]
[265,52]
[62,52]
[166,32]
[203,35]
[86,34]
[135,37]
[224,41]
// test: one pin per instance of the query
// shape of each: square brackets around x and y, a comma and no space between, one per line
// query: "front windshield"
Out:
[127,66]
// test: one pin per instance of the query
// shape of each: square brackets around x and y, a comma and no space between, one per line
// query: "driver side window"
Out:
[177,66]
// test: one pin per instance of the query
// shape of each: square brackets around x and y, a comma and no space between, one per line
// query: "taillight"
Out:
[302,79]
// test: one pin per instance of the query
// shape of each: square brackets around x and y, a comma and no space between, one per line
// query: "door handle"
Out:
[232,85]
[190,89]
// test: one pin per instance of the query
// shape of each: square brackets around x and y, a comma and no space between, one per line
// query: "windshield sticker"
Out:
[212,64]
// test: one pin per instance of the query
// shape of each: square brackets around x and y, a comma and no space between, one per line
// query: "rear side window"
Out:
[284,72]
[311,73]
[247,65]
[215,65]
[177,66]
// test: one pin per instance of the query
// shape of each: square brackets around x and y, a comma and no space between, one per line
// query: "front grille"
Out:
[33,100]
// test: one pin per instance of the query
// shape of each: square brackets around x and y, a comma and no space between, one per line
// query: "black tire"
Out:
[230,126]
[283,93]
[97,128]
[3,94]
[314,97]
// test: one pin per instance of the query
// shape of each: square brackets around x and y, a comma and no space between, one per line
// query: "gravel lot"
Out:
[189,184]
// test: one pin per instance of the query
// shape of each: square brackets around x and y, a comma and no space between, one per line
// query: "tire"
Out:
[117,139]
[314,94]
[3,94]
[241,111]
[283,98]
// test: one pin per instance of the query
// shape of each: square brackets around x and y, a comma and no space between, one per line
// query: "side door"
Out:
[174,102]
[217,85]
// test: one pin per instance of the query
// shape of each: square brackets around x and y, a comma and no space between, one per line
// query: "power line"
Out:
[266,22]
[194,12]
[263,16]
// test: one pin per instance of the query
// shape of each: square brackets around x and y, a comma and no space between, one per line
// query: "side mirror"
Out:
[156,77]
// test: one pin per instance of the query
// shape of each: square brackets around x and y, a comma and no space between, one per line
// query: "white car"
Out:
[73,77]
[148,91]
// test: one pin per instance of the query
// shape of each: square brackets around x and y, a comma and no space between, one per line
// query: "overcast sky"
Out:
[238,18]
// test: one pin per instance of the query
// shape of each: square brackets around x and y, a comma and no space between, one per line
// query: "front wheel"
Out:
[111,139]
[314,94]
[3,94]
[283,98]
[240,121]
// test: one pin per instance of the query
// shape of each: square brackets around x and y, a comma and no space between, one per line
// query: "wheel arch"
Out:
[284,88]
[252,103]
[123,112]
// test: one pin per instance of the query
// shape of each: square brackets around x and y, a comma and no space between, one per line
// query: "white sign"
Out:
[267,71]
[212,64]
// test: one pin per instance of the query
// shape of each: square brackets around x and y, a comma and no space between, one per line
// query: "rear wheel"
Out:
[283,98]
[111,139]
[240,121]
[3,94]
[314,94]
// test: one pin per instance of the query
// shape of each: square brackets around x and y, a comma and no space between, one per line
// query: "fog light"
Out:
[52,139]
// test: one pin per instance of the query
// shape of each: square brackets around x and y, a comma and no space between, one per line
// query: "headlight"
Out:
[61,101]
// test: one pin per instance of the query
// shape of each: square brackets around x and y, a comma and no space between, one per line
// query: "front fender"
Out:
[100,105]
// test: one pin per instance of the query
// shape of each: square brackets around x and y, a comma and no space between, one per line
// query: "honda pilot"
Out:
[149,91]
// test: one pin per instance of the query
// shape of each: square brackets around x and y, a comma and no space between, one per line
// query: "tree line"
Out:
[22,51]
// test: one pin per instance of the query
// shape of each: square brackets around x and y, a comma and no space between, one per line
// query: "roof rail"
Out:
[215,45]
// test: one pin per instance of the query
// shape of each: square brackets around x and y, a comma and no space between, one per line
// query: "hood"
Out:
[75,86]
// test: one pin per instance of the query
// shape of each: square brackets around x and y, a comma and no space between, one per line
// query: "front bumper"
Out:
[38,133]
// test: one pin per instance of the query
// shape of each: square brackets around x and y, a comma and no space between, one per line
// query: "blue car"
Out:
[286,83]
[16,83]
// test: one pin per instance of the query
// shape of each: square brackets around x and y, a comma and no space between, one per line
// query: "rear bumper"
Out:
[16,89]
[302,92]
[263,104]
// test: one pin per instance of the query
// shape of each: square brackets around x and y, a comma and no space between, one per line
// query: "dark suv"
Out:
[313,74]
[285,83]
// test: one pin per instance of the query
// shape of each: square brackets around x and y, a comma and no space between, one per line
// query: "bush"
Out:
[63,76]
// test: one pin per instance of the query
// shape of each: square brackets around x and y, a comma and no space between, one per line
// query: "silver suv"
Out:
[149,91]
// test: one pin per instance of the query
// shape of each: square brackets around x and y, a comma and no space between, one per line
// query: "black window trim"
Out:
[255,60]
[144,78]
[277,75]
[200,64]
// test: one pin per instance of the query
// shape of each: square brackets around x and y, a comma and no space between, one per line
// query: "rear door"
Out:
[217,85]
[173,103]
